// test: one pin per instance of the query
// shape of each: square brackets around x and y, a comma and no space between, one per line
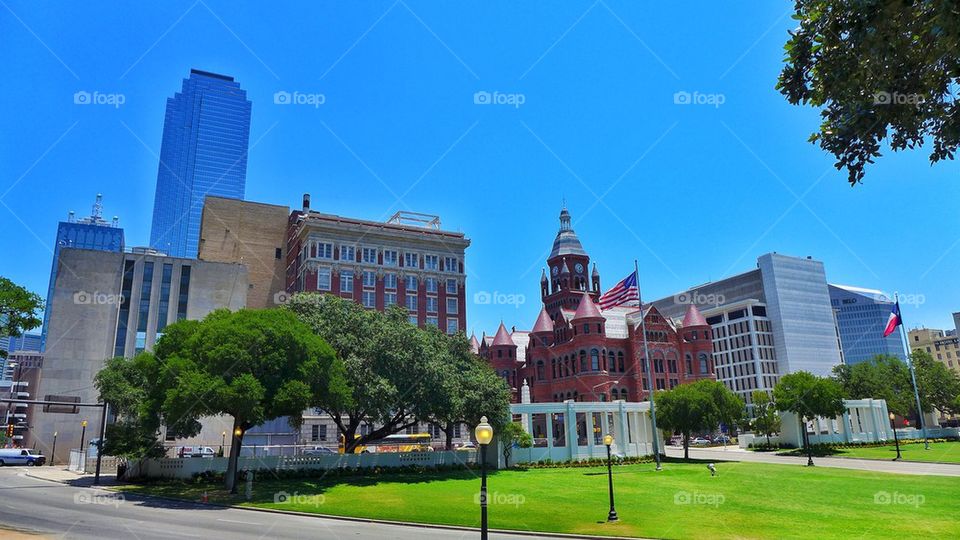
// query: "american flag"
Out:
[624,293]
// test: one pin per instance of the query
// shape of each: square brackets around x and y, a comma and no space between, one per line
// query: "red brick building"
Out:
[576,351]
[407,260]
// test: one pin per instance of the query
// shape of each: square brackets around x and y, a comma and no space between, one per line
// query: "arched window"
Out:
[583,360]
[611,361]
[594,360]
[658,364]
[689,364]
[553,368]
[620,362]
[586,328]
[704,364]
[540,374]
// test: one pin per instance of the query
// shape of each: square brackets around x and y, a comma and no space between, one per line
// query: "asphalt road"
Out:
[54,510]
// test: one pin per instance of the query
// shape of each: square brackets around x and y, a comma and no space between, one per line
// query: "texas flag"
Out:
[894,321]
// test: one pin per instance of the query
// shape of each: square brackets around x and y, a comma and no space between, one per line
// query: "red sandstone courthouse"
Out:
[577,351]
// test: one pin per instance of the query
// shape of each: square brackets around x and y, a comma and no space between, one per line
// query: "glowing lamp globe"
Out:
[484,431]
[608,439]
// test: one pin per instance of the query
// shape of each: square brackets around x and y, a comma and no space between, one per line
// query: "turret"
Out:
[588,319]
[595,278]
[544,284]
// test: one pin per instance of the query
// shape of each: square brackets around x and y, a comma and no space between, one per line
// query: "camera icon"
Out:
[481,98]
[480,498]
[282,98]
[281,497]
[281,298]
[683,298]
[682,98]
[82,298]
[682,497]
[882,497]
[882,98]
[82,98]
[481,298]
[82,498]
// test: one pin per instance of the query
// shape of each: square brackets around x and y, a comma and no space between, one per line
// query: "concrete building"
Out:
[862,315]
[117,304]
[252,234]
[767,322]
[22,370]
[92,232]
[28,342]
[407,260]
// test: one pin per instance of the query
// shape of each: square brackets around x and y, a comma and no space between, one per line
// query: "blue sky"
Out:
[695,192]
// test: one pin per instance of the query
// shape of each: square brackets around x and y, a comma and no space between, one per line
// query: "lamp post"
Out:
[594,388]
[237,434]
[608,440]
[896,440]
[484,434]
[223,442]
[83,434]
[53,451]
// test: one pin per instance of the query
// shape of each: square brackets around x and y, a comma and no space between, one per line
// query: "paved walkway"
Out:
[733,453]
[64,476]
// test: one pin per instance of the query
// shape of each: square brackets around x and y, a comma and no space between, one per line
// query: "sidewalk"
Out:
[64,476]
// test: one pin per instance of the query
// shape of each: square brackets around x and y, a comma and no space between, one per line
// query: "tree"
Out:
[696,406]
[129,386]
[766,419]
[252,365]
[18,310]
[399,375]
[937,385]
[879,71]
[809,397]
[882,377]
[512,434]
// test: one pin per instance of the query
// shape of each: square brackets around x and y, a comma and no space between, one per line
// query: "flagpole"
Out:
[649,365]
[913,376]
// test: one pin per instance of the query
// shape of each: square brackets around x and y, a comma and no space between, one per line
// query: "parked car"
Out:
[21,456]
[722,439]
[194,451]
[700,441]
[466,446]
[676,440]
[318,451]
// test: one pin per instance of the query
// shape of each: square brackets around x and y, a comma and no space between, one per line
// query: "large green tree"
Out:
[697,406]
[251,365]
[881,71]
[809,397]
[882,377]
[766,419]
[18,310]
[937,385]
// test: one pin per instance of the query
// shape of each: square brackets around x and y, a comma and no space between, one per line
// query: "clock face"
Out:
[555,270]
[579,268]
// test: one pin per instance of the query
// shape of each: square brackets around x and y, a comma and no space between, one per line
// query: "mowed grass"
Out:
[745,500]
[943,452]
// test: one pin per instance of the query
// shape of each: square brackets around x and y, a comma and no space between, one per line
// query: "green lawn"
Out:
[745,500]
[946,452]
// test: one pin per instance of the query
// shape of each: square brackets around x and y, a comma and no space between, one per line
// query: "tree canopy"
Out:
[697,406]
[766,419]
[18,310]
[883,377]
[881,72]
[809,397]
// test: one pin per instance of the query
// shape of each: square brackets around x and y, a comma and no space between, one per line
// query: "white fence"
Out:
[185,468]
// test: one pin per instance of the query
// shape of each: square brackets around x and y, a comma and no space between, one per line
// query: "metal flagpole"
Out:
[649,364]
[913,376]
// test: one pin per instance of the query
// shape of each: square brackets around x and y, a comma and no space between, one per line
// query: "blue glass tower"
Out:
[206,130]
[85,233]
[861,317]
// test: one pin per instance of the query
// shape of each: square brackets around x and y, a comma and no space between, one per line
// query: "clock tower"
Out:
[566,274]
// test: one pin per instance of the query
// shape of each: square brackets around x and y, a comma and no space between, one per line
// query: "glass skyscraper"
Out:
[862,315]
[206,130]
[91,232]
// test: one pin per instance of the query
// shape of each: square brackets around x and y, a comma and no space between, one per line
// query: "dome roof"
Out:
[566,242]
[503,337]
[544,322]
[587,309]
[693,317]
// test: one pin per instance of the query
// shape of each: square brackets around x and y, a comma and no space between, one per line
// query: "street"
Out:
[50,510]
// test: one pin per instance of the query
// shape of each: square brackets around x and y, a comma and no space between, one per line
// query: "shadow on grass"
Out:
[817,452]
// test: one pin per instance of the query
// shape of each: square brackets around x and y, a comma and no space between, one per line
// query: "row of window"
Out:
[390,281]
[315,249]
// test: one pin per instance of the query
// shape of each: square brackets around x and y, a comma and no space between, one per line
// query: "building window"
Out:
[620,362]
[124,313]
[451,264]
[166,277]
[432,321]
[412,319]
[410,283]
[323,279]
[369,255]
[369,299]
[411,260]
[348,253]
[324,250]
[431,262]
[451,306]
[704,365]
[278,253]
[390,257]
[412,302]
[389,299]
[369,279]
[389,281]
[451,325]
[315,432]
[451,286]
[594,360]
[346,281]
[430,284]
[184,296]
[141,342]
[432,304]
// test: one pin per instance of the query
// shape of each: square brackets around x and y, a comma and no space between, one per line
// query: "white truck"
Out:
[21,456]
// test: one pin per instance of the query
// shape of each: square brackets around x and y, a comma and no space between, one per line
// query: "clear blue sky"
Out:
[696,192]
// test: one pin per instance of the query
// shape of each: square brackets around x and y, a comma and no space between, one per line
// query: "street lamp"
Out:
[83,434]
[237,433]
[223,442]
[53,451]
[594,388]
[608,440]
[896,440]
[484,434]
